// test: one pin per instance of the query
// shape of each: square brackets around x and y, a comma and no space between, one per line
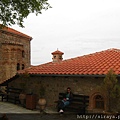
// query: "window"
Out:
[23,66]
[18,66]
[54,56]
[99,102]
[60,57]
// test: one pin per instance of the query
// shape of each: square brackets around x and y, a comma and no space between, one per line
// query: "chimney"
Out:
[57,56]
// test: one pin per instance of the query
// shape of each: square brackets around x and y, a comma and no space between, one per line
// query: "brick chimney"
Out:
[57,56]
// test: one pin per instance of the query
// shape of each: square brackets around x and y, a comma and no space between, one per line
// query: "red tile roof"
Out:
[13,31]
[98,63]
[57,52]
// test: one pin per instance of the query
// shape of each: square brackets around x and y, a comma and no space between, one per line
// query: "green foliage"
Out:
[110,80]
[14,11]
[115,93]
[111,87]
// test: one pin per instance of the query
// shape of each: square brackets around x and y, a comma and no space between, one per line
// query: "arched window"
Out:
[23,66]
[99,102]
[18,66]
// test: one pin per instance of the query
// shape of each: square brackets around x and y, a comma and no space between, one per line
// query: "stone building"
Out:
[14,52]
[83,74]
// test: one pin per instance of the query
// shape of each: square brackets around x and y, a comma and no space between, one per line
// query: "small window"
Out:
[60,57]
[54,56]
[18,66]
[99,102]
[23,53]
[23,66]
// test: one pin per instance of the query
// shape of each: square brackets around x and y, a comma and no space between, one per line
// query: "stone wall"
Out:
[14,49]
[79,85]
[54,85]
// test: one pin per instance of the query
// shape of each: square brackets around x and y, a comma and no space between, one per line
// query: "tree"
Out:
[111,87]
[14,11]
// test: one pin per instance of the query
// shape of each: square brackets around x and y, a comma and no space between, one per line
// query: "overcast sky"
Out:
[75,27]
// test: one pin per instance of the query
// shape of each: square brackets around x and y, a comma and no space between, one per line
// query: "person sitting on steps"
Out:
[67,99]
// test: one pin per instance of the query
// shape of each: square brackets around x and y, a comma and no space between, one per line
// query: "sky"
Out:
[75,27]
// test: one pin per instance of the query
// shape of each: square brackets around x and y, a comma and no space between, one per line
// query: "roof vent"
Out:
[57,56]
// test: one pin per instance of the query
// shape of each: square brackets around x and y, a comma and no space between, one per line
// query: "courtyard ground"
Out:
[17,112]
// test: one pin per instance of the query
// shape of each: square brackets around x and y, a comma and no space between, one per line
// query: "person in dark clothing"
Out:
[67,99]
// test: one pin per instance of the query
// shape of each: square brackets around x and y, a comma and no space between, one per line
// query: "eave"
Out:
[64,75]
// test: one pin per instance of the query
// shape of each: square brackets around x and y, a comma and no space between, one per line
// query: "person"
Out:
[67,99]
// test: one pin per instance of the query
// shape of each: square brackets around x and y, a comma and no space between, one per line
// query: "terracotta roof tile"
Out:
[98,63]
[57,52]
[10,30]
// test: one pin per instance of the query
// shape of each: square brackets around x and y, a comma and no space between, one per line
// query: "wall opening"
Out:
[98,102]
[18,66]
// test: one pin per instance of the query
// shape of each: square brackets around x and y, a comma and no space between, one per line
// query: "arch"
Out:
[13,49]
[98,101]
[18,49]
[6,49]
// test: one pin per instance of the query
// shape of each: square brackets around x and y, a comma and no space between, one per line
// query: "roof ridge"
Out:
[114,49]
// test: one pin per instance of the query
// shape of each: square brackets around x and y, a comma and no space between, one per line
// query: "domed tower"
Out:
[57,56]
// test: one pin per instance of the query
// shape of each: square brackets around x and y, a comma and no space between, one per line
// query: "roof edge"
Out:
[65,75]
[15,32]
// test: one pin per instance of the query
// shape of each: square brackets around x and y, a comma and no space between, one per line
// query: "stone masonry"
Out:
[55,84]
[14,53]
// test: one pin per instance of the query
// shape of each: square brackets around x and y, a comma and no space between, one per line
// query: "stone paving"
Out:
[17,112]
[6,107]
